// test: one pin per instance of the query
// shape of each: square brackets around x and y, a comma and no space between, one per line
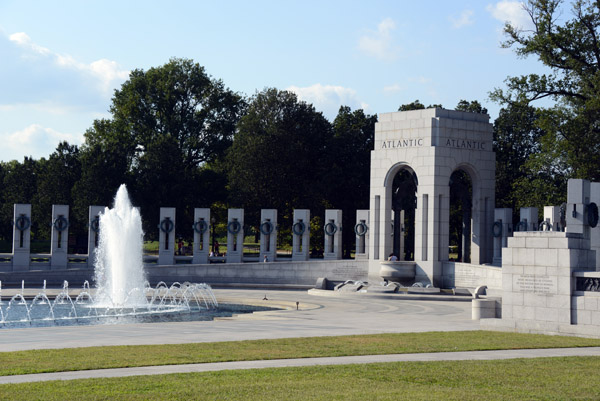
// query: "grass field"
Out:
[69,359]
[517,379]
[543,378]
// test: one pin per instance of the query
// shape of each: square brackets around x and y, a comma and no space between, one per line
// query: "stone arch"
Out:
[401,189]
[431,144]
[481,206]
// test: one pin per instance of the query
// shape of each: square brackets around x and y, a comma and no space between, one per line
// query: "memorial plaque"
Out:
[466,276]
[348,272]
[535,284]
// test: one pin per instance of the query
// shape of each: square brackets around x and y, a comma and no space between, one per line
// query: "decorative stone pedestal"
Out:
[361,229]
[93,233]
[201,235]
[333,235]
[268,235]
[60,237]
[21,237]
[301,233]
[166,237]
[235,236]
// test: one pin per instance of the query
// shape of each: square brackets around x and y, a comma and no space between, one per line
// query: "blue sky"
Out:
[62,60]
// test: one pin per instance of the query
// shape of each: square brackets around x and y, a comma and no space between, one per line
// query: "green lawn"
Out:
[517,379]
[38,361]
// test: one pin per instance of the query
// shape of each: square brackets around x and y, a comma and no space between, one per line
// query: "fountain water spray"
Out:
[119,263]
[122,289]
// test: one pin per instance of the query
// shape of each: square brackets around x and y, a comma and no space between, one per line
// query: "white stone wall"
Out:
[466,275]
[537,278]
[289,272]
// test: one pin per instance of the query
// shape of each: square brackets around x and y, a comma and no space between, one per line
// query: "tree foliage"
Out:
[571,50]
[417,105]
[473,106]
[168,124]
[348,174]
[55,181]
[277,155]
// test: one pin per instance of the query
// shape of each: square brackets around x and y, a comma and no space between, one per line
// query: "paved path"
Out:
[317,316]
[280,363]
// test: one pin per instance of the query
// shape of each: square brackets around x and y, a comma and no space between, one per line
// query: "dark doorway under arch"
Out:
[461,204]
[404,203]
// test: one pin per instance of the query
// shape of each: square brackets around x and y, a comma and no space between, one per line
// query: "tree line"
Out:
[180,138]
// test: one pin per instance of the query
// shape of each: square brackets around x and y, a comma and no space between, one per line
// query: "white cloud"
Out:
[329,98]
[407,84]
[419,80]
[106,73]
[35,140]
[463,19]
[393,88]
[379,44]
[512,12]
[23,40]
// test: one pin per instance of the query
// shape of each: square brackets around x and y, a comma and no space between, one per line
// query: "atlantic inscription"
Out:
[465,144]
[402,143]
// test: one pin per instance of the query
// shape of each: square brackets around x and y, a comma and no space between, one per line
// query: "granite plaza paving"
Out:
[316,316]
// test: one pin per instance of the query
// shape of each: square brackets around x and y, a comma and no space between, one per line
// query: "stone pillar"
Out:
[528,219]
[578,196]
[268,235]
[595,231]
[361,230]
[93,233]
[60,237]
[235,236]
[501,230]
[333,234]
[21,237]
[201,228]
[398,217]
[166,236]
[301,233]
[551,218]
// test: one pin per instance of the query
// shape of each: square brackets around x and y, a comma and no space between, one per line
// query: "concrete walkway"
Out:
[316,316]
[280,363]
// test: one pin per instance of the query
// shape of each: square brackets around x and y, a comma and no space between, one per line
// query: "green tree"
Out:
[106,158]
[473,106]
[56,178]
[276,160]
[569,47]
[19,186]
[525,176]
[348,173]
[417,105]
[168,123]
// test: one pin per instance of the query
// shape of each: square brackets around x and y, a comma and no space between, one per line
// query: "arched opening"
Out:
[404,202]
[461,204]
